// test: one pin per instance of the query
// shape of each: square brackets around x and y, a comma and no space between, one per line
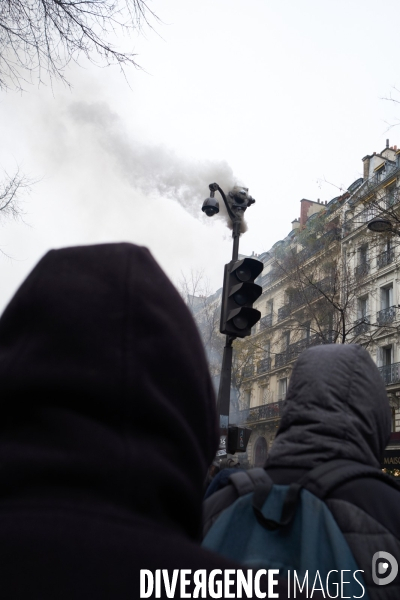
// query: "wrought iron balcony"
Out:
[347,227]
[261,413]
[385,258]
[266,322]
[263,366]
[281,359]
[367,188]
[362,269]
[319,244]
[283,312]
[269,278]
[311,292]
[362,325]
[386,316]
[248,371]
[390,373]
[293,351]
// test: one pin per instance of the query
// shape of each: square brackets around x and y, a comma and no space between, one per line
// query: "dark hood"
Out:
[336,407]
[104,385]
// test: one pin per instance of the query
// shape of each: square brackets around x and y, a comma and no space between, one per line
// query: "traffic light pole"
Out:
[224,391]
[236,235]
[237,313]
[224,396]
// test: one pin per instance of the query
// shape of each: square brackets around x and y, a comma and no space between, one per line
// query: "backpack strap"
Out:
[246,481]
[326,477]
[239,484]
[288,509]
[320,481]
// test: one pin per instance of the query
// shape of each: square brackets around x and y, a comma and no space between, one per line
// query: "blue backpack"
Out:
[288,527]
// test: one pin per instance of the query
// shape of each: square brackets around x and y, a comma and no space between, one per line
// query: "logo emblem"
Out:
[384,563]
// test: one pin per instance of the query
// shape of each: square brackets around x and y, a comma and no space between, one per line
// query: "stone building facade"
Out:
[331,280]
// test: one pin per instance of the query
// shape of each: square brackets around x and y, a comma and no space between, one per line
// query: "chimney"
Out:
[394,147]
[318,200]
[326,202]
[387,144]
[304,206]
[366,160]
[295,224]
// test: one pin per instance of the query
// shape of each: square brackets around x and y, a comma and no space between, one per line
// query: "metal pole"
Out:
[224,396]
[224,391]
[236,235]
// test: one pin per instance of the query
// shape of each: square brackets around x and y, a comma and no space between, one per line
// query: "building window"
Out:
[362,307]
[390,195]
[246,398]
[285,340]
[387,314]
[362,267]
[264,393]
[363,254]
[380,171]
[387,356]
[282,389]
[387,297]
[386,256]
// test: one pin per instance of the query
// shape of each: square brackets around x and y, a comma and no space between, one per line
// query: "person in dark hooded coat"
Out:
[107,429]
[337,408]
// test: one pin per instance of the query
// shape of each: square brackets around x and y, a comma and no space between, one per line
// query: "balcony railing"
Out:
[269,278]
[266,322]
[386,316]
[390,373]
[283,312]
[362,325]
[362,269]
[366,189]
[261,413]
[248,371]
[263,366]
[385,258]
[281,359]
[318,244]
[293,351]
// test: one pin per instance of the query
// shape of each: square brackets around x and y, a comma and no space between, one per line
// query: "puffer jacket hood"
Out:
[105,387]
[336,407]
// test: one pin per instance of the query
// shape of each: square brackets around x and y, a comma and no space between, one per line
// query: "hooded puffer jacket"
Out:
[337,408]
[107,428]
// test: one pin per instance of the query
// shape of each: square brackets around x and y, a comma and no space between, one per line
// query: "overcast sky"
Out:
[277,95]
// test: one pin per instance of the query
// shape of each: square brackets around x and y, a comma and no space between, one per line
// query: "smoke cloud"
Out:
[151,168]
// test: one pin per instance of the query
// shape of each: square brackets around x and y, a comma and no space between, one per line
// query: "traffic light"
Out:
[237,439]
[239,293]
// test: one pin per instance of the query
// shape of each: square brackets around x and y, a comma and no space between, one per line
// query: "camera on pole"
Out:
[238,295]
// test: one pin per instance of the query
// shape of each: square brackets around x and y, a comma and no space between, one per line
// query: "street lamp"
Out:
[237,313]
[379,225]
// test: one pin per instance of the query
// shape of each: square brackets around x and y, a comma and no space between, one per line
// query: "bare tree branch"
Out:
[44,36]
[12,189]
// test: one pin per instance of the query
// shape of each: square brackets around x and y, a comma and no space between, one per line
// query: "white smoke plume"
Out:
[153,168]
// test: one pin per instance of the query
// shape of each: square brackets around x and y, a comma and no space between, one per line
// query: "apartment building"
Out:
[331,280]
